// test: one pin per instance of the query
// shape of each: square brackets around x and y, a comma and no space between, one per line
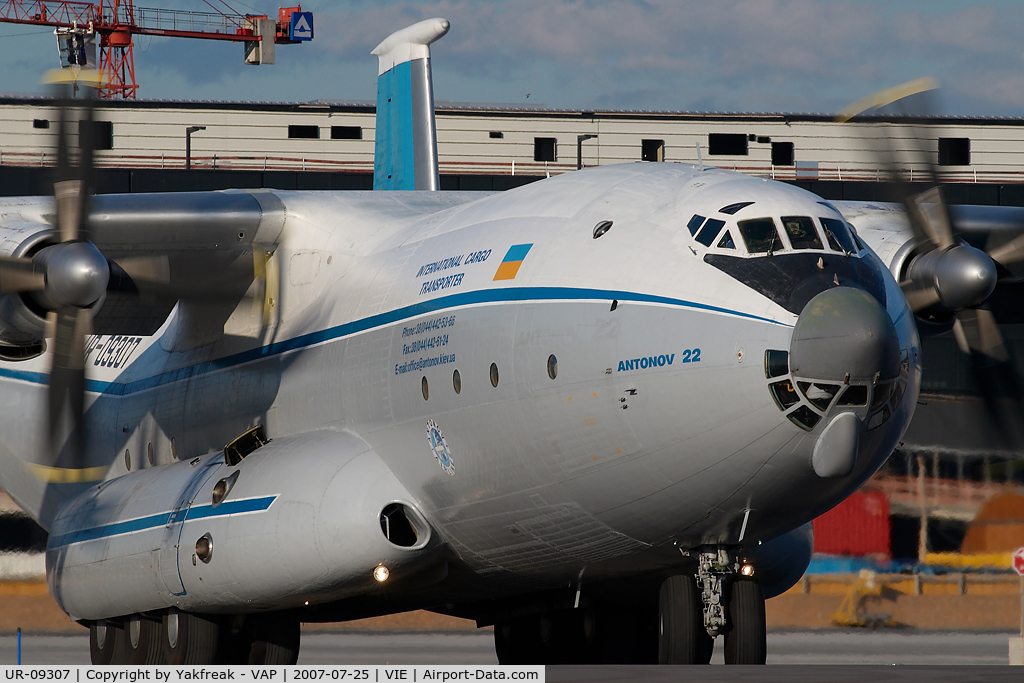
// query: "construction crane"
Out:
[77,25]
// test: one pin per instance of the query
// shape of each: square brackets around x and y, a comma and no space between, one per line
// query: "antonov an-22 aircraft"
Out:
[597,412]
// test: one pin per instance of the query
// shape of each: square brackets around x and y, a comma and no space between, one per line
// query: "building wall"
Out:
[254,136]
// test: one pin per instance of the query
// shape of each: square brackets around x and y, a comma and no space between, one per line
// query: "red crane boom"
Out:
[116,21]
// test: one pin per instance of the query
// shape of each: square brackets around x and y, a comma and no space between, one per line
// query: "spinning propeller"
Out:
[70,279]
[67,279]
[946,276]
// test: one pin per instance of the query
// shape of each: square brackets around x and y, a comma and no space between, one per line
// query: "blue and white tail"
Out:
[405,149]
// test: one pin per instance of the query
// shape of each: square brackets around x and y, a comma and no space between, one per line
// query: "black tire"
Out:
[104,640]
[745,637]
[139,642]
[682,638]
[188,638]
[519,642]
[276,639]
[567,642]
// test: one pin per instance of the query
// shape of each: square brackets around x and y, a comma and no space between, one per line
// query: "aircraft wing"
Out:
[884,227]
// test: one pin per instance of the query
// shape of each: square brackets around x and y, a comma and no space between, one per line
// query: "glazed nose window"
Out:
[802,234]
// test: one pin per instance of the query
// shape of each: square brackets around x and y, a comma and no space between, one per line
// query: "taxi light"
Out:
[747,570]
[381,574]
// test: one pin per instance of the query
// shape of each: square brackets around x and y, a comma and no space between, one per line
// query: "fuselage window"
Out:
[760,235]
[695,223]
[726,241]
[802,234]
[709,232]
[838,235]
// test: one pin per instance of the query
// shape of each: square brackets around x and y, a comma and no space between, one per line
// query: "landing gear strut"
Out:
[733,606]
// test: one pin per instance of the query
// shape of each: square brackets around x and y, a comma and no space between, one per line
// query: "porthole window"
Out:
[127,460]
[149,454]
[552,366]
[494,375]
[601,228]
[425,388]
[457,382]
[174,448]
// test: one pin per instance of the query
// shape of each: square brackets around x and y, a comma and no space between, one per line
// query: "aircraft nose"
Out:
[844,335]
[845,343]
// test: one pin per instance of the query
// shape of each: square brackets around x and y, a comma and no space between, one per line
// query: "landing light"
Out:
[747,570]
[381,574]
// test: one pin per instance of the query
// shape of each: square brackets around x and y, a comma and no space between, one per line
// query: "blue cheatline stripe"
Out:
[483,296]
[517,252]
[234,507]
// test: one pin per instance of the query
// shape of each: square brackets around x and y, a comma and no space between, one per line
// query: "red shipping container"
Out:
[860,525]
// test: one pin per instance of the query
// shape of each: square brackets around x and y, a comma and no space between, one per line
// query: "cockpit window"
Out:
[838,235]
[695,223]
[802,234]
[726,241]
[760,235]
[709,232]
[733,208]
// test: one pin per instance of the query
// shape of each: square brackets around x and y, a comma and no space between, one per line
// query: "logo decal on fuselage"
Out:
[440,447]
[514,257]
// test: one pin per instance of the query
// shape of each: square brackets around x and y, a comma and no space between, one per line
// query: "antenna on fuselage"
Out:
[700,159]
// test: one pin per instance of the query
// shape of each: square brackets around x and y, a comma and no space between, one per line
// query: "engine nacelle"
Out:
[314,517]
[22,322]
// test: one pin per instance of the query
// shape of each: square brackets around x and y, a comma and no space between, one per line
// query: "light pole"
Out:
[579,148]
[188,144]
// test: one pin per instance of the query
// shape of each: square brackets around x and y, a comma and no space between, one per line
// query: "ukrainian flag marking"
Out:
[513,259]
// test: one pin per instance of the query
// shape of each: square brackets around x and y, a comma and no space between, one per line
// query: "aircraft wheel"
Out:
[519,642]
[623,635]
[682,638]
[139,642]
[103,642]
[188,638]
[566,641]
[275,639]
[745,639]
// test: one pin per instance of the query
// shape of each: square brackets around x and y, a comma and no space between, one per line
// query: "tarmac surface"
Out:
[801,655]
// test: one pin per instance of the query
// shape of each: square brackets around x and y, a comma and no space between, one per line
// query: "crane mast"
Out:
[78,24]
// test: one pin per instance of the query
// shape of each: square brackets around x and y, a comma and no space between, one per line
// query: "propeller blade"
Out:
[87,147]
[919,297]
[978,334]
[20,275]
[994,374]
[1009,254]
[67,386]
[932,212]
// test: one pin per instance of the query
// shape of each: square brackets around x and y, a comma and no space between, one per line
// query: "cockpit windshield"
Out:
[760,235]
[801,231]
[838,235]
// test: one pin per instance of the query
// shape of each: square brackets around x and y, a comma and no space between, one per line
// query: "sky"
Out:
[676,55]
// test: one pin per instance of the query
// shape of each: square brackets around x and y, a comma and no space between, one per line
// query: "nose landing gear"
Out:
[730,603]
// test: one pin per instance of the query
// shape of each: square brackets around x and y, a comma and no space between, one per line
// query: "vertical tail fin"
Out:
[405,150]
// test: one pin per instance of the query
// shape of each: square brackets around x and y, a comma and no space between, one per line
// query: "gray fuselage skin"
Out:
[651,431]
